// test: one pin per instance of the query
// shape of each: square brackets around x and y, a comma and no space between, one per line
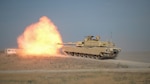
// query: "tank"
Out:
[91,47]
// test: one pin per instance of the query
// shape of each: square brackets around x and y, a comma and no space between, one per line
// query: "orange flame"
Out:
[40,39]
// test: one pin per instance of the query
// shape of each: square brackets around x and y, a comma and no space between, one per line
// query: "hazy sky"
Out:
[128,20]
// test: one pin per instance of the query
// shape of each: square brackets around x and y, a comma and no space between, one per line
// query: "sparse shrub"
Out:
[30,81]
[121,66]
[120,78]
[132,82]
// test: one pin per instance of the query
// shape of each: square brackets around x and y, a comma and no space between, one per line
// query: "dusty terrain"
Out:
[50,63]
[76,78]
[66,70]
[135,56]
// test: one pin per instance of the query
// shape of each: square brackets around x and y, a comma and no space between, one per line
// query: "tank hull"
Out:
[91,52]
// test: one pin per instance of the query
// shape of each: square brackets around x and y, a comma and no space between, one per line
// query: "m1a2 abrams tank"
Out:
[92,48]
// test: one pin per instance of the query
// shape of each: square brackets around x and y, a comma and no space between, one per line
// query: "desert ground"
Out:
[127,68]
[135,56]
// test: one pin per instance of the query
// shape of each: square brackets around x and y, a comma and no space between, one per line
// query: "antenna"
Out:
[111,37]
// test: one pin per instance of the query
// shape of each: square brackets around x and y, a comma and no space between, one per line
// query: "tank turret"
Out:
[90,41]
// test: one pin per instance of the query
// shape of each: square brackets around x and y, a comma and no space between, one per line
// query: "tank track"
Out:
[98,57]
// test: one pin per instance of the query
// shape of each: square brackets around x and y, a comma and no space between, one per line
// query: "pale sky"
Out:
[128,20]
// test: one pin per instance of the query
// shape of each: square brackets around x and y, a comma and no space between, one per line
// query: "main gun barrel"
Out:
[69,43]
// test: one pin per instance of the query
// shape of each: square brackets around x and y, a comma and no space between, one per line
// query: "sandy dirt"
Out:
[135,56]
[77,70]
[73,70]
[96,77]
[61,62]
[128,60]
[50,63]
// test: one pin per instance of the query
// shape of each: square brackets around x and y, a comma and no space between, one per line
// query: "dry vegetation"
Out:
[76,78]
[65,63]
[49,63]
